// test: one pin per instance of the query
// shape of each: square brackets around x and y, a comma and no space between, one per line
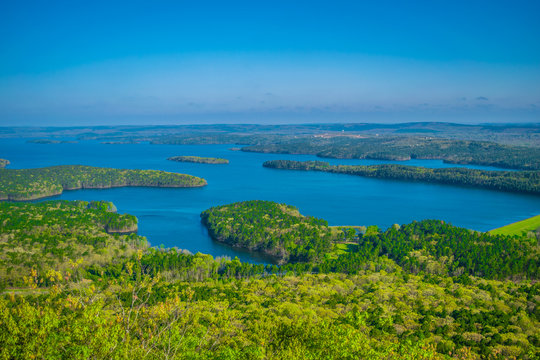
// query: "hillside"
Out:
[140,302]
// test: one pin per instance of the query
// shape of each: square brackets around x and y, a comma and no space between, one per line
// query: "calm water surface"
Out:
[171,216]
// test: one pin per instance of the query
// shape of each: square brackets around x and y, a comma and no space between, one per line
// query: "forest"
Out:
[29,184]
[408,147]
[142,302]
[512,181]
[45,236]
[199,160]
[275,229]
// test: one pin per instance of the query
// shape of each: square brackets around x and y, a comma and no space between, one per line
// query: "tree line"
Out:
[512,181]
[28,184]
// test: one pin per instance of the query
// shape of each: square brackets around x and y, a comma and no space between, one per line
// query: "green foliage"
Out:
[28,184]
[199,160]
[275,229]
[52,236]
[436,247]
[373,316]
[405,148]
[137,302]
[516,181]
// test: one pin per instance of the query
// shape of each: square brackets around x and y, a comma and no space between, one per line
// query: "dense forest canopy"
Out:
[46,236]
[430,246]
[74,279]
[275,229]
[28,184]
[513,181]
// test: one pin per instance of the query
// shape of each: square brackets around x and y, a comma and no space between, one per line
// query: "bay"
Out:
[170,217]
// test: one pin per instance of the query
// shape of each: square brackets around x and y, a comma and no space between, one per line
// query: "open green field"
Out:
[520,227]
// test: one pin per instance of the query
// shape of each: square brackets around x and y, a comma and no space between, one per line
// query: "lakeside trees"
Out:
[28,184]
[46,236]
[513,181]
[405,148]
[276,229]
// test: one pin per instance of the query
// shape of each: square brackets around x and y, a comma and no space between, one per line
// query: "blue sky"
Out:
[164,62]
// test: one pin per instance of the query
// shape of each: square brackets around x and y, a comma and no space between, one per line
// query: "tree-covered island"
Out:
[513,181]
[29,184]
[199,160]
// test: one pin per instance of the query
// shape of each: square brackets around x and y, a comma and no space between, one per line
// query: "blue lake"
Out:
[171,216]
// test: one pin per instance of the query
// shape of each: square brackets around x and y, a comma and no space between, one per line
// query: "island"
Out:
[30,184]
[511,181]
[198,159]
[4,163]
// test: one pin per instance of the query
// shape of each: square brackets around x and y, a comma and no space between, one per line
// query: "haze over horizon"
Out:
[78,64]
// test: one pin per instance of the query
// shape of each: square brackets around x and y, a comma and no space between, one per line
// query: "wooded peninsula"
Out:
[199,160]
[278,230]
[406,148]
[29,184]
[512,181]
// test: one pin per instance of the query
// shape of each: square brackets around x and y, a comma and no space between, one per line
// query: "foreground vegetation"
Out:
[111,296]
[529,227]
[44,237]
[199,160]
[514,181]
[28,184]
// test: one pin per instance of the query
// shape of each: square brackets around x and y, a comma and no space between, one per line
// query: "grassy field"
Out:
[520,227]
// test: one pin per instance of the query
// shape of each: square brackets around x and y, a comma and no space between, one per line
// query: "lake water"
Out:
[171,216]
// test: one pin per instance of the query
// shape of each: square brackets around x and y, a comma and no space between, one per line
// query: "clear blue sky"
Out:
[163,62]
